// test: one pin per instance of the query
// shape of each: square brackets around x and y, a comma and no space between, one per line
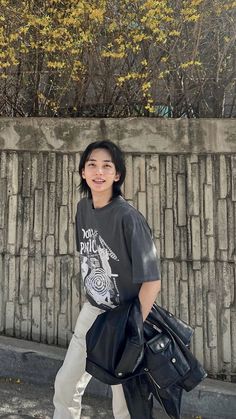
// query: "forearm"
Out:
[147,296]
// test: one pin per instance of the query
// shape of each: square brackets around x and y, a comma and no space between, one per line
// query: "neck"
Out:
[101,201]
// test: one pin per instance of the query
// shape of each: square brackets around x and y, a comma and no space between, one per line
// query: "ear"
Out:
[83,175]
[117,177]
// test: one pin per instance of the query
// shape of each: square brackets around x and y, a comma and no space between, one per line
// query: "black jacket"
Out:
[146,358]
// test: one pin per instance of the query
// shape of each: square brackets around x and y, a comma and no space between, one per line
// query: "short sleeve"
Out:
[141,248]
[77,229]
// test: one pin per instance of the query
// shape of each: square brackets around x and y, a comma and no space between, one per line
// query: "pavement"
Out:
[27,373]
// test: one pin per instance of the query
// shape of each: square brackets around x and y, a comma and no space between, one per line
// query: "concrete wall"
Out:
[181,174]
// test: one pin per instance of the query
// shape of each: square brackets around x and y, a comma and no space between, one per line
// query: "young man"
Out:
[118,263]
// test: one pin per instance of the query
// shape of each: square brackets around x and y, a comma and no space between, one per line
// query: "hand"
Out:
[147,296]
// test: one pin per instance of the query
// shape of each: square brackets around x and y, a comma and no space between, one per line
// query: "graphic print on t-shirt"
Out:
[99,280]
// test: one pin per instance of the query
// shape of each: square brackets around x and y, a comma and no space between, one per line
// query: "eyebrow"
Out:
[105,161]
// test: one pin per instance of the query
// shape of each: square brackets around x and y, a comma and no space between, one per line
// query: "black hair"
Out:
[117,158]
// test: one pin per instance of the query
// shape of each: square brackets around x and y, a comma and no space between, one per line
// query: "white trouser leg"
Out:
[71,379]
[119,406]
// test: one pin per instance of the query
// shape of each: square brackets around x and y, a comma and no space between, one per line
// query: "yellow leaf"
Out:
[146,86]
[13,36]
[97,15]
[5,65]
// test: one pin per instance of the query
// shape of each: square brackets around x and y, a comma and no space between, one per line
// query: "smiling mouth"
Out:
[99,181]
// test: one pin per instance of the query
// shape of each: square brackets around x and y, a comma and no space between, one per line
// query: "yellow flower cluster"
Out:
[131,76]
[190,64]
[59,65]
[191,10]
[135,39]
[44,101]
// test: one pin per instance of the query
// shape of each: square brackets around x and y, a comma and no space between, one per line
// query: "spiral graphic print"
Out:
[99,280]
[100,287]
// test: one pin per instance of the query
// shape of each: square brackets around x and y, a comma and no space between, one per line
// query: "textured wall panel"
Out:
[189,200]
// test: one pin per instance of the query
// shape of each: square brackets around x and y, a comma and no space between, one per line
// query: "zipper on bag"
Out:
[159,387]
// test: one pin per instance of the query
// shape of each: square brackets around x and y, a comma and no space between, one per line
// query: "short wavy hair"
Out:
[117,158]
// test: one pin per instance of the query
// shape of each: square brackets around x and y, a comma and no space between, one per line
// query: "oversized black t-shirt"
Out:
[117,253]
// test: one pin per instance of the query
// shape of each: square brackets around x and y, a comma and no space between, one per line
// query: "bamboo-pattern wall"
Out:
[189,200]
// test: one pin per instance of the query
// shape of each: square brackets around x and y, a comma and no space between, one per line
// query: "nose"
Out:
[99,170]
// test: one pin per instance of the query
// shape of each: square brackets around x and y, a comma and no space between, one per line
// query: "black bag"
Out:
[115,344]
[168,351]
[158,315]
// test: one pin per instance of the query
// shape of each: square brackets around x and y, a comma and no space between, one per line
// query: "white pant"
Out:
[72,379]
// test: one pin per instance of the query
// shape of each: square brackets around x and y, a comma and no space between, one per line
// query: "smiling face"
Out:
[100,174]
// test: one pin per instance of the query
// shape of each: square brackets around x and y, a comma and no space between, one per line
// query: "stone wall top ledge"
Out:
[136,135]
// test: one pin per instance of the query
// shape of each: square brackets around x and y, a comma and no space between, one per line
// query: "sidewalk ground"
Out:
[19,400]
[27,373]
